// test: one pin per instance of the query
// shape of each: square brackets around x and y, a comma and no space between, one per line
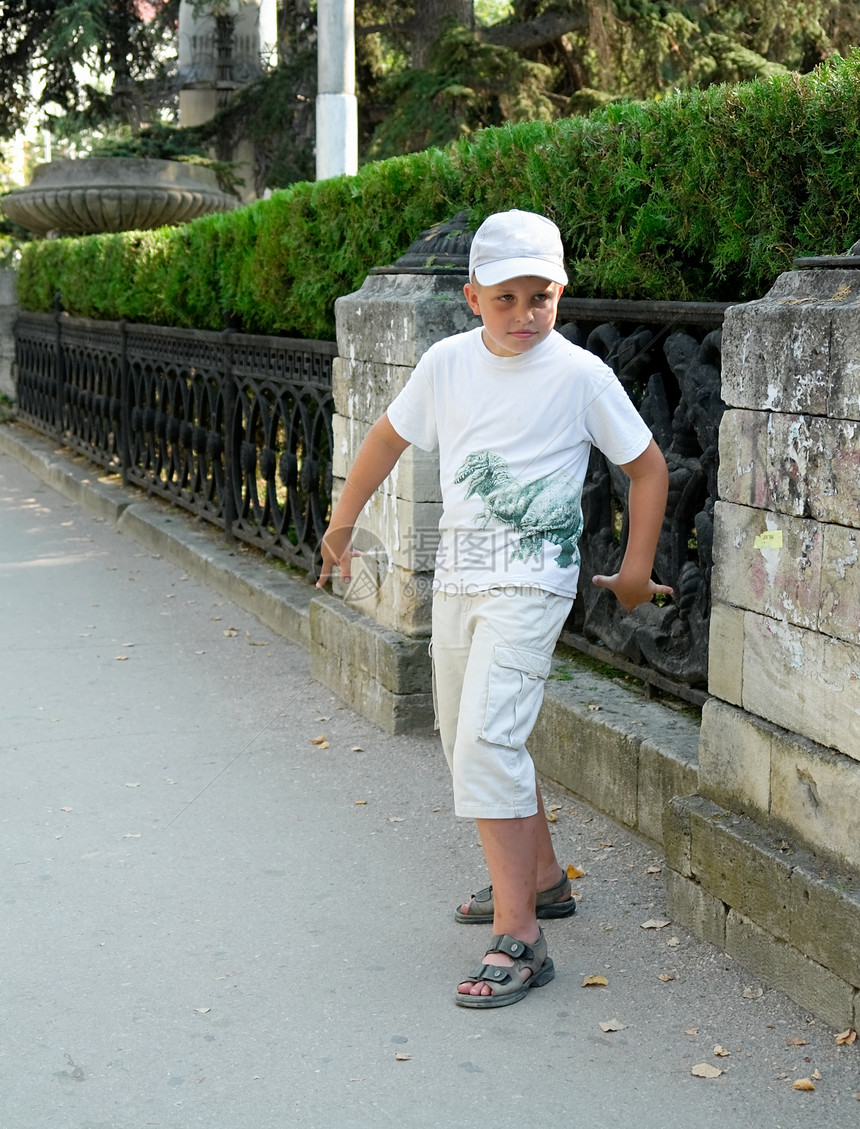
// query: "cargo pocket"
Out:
[515,693]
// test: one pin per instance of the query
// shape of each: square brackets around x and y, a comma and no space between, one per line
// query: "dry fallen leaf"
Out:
[401,1056]
[692,1031]
[655,923]
[753,993]
[595,982]
[575,872]
[673,942]
[612,1025]
[817,1075]
[665,977]
[654,870]
[202,1010]
[359,803]
[356,749]
[705,1070]
[121,659]
[318,740]
[804,1084]
[721,1052]
[846,1038]
[798,1042]
[551,813]
[65,809]
[230,633]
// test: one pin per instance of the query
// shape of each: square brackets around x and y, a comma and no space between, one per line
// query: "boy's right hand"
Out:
[337,552]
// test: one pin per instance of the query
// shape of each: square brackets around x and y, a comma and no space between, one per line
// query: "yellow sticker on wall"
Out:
[770,539]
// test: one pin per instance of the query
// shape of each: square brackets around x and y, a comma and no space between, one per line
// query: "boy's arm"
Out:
[374,462]
[649,483]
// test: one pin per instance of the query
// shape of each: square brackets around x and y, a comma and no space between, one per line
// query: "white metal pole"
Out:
[336,104]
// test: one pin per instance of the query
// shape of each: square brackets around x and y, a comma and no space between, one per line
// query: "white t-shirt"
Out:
[514,436]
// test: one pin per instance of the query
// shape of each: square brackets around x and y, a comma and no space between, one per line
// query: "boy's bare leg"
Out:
[548,869]
[511,850]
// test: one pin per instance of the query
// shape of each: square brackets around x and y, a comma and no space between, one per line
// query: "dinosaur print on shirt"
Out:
[547,509]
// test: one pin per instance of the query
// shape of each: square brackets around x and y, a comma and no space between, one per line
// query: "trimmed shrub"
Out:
[706,195]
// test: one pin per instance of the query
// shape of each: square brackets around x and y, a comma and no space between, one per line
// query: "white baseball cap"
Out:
[514,245]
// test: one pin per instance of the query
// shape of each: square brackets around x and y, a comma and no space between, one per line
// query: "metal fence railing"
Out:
[233,428]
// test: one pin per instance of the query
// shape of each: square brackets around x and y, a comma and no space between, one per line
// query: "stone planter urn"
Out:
[99,194]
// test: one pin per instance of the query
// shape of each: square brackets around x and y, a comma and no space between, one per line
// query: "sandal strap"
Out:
[512,947]
[492,973]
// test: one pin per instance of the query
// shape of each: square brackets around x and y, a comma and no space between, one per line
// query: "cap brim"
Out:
[489,274]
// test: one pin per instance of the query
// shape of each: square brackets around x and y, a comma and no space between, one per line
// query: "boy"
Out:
[513,409]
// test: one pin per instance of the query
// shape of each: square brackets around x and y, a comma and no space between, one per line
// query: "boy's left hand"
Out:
[630,593]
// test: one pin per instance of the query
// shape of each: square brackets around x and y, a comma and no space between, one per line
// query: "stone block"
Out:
[395,318]
[364,389]
[776,354]
[694,908]
[742,474]
[825,920]
[734,861]
[843,401]
[834,472]
[839,614]
[782,966]
[815,795]
[791,453]
[803,681]
[668,767]
[409,531]
[677,841]
[726,652]
[394,597]
[796,349]
[768,563]
[379,673]
[415,478]
[735,759]
[341,634]
[588,752]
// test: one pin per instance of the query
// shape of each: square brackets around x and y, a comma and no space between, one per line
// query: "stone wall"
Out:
[766,859]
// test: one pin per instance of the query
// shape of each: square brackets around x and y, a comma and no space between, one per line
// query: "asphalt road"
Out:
[208,919]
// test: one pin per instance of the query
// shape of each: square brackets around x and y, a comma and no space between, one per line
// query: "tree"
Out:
[123,41]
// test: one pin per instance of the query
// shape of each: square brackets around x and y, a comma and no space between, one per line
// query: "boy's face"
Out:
[517,314]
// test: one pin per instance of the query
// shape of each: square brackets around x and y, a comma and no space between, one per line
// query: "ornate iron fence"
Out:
[233,428]
[237,429]
[667,356]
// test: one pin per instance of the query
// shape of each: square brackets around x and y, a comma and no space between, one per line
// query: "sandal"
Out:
[547,904]
[508,986]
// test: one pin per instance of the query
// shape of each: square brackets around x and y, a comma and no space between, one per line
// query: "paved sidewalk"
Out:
[210,920]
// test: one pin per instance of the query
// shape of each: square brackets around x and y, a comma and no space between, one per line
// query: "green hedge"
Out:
[707,195]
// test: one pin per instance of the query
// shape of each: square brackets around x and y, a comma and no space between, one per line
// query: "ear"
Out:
[472,298]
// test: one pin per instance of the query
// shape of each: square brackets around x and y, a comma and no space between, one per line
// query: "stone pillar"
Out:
[254,47]
[336,104]
[766,860]
[383,329]
[8,313]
